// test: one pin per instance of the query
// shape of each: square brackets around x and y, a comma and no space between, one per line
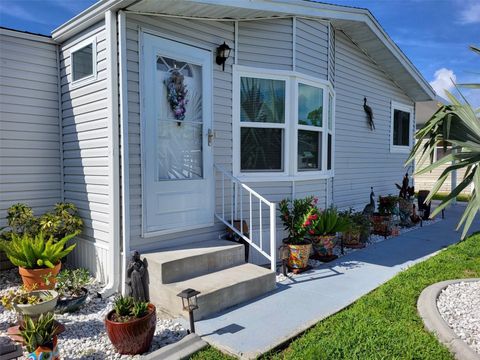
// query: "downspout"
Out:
[122,62]
[113,155]
[60,124]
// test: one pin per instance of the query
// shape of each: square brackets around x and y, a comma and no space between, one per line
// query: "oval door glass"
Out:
[179,153]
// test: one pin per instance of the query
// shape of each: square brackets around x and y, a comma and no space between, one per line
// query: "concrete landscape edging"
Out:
[434,322]
[182,349]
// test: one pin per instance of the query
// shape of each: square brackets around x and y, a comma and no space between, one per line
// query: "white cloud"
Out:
[471,13]
[444,80]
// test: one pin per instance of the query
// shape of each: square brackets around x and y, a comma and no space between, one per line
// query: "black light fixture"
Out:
[223,53]
[190,303]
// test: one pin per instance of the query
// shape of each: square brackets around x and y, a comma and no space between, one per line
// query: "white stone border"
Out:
[434,322]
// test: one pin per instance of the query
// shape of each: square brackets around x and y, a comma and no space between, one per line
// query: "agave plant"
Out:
[457,124]
[33,252]
[39,332]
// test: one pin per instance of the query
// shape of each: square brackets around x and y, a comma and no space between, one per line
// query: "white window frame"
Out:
[403,149]
[87,79]
[291,126]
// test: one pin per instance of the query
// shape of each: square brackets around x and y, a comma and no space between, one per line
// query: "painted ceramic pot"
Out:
[132,337]
[49,302]
[35,278]
[298,256]
[323,245]
[65,305]
[46,352]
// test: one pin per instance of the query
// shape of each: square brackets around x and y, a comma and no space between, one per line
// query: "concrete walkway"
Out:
[254,328]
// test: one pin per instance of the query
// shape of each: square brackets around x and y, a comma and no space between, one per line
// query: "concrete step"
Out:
[218,291]
[181,263]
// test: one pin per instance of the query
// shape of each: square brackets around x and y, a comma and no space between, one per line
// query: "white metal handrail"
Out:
[228,181]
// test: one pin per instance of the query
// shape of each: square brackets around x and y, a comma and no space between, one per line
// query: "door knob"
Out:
[211,136]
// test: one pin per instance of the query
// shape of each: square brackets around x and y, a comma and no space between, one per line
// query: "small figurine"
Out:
[369,209]
[137,278]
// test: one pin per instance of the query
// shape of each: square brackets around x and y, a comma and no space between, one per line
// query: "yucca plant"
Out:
[457,124]
[40,332]
[33,252]
[326,222]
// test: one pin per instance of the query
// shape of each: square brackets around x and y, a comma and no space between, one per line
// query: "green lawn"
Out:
[384,323]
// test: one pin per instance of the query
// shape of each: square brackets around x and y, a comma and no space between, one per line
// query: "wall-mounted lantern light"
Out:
[190,303]
[223,53]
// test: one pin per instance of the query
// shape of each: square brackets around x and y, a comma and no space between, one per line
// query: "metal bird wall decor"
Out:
[369,112]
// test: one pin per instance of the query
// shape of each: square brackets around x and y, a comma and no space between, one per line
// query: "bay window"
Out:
[283,124]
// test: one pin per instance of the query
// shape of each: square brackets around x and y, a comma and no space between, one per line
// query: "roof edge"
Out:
[26,35]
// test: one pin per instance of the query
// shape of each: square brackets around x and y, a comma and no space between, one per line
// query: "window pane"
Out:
[82,62]
[310,105]
[309,150]
[441,151]
[262,100]
[401,128]
[330,112]
[261,149]
[329,152]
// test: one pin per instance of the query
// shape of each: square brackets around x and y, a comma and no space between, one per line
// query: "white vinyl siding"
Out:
[362,156]
[85,151]
[29,131]
[266,44]
[312,48]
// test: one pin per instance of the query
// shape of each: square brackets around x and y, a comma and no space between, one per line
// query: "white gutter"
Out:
[122,62]
[113,155]
[60,125]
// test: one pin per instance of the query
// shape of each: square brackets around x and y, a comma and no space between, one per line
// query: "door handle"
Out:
[210,136]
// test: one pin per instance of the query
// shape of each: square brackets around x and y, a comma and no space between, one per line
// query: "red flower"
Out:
[307,223]
[312,232]
[314,217]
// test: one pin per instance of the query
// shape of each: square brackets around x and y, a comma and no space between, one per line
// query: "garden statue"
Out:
[137,278]
[368,110]
[406,192]
[370,207]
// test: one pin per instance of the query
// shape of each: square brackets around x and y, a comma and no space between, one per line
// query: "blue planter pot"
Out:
[71,305]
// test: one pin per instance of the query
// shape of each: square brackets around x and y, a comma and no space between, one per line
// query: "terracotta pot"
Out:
[133,337]
[49,352]
[324,244]
[30,277]
[298,256]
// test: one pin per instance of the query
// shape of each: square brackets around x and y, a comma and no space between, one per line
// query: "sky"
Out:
[434,34]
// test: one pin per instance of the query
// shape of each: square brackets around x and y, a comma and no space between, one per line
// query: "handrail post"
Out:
[273,236]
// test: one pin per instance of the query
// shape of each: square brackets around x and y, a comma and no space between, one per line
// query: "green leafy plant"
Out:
[33,252]
[358,223]
[126,308]
[326,222]
[387,204]
[456,124]
[60,222]
[23,296]
[293,215]
[20,220]
[39,332]
[140,309]
[69,283]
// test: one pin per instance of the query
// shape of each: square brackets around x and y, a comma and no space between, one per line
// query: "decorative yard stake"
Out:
[137,278]
[190,303]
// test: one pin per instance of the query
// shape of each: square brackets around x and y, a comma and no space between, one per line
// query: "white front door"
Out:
[177,153]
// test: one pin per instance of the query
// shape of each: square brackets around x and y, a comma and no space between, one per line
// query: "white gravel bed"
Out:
[459,305]
[337,250]
[85,337]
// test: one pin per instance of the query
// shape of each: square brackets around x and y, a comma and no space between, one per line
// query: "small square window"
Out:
[83,62]
[309,150]
[261,149]
[444,148]
[262,100]
[401,128]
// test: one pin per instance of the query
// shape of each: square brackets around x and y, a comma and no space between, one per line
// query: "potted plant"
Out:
[382,220]
[40,337]
[323,231]
[60,222]
[30,303]
[70,285]
[357,231]
[38,259]
[130,325]
[294,215]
